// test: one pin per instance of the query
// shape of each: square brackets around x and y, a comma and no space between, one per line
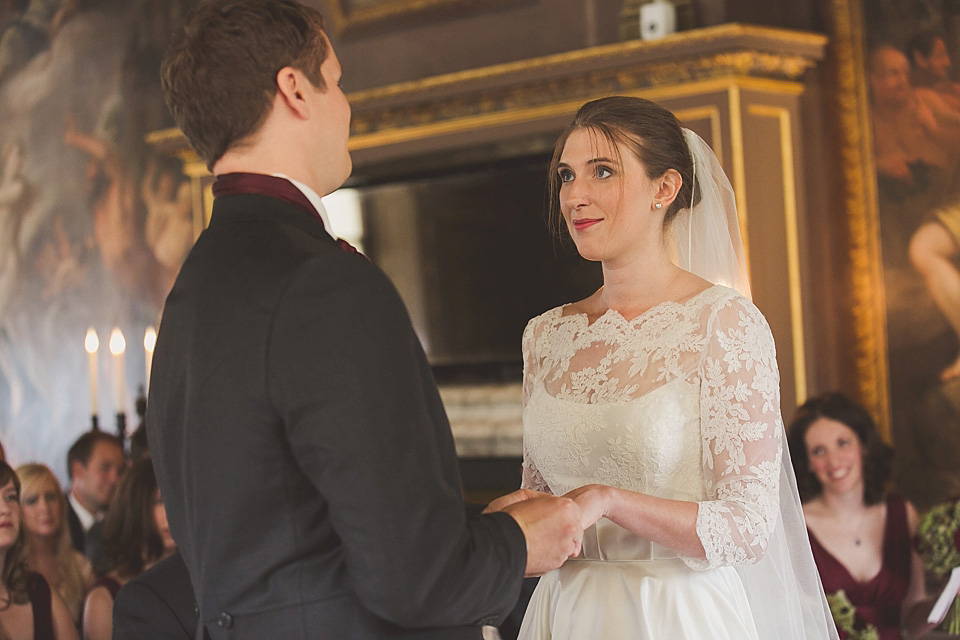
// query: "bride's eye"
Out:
[604,172]
[565,175]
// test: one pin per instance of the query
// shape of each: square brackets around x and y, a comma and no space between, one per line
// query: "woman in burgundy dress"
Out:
[861,538]
[28,607]
[135,537]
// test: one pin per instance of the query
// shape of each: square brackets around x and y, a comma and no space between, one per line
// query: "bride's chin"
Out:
[589,253]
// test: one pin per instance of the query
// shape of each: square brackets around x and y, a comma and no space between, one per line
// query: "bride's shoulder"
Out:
[720,297]
[546,318]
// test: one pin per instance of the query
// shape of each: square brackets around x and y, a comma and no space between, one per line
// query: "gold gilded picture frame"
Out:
[859,197]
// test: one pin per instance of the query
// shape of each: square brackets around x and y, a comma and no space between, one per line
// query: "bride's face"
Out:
[606,197]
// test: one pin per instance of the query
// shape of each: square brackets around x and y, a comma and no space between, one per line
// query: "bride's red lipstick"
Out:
[583,223]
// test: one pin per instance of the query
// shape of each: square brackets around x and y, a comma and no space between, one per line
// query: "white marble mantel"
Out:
[486,419]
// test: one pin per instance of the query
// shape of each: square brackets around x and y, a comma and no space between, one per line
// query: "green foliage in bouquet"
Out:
[844,615]
[938,543]
[938,538]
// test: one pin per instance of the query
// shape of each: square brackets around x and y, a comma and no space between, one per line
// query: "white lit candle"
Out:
[149,342]
[117,346]
[92,344]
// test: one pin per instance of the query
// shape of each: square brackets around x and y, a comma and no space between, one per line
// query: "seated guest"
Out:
[158,603]
[29,609]
[48,548]
[95,463]
[135,537]
[860,536]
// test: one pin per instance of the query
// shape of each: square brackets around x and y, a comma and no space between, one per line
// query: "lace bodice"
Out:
[681,402]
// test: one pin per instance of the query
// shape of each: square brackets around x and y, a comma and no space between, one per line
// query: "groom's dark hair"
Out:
[219,77]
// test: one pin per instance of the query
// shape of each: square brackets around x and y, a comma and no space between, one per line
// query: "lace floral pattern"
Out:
[680,402]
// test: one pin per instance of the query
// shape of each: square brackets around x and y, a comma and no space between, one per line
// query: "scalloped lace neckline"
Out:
[583,319]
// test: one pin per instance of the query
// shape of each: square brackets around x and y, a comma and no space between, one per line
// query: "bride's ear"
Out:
[668,186]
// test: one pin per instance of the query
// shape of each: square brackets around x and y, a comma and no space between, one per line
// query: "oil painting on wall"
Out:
[93,226]
[912,59]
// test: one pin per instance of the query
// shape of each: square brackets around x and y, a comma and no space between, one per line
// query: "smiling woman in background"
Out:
[842,469]
[49,551]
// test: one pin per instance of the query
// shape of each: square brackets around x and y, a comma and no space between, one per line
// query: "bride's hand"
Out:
[593,500]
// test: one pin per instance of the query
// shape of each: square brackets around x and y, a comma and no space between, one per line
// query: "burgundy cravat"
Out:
[261,184]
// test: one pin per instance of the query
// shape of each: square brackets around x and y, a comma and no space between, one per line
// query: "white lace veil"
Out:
[784,589]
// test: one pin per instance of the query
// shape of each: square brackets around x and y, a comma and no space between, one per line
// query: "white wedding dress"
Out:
[681,402]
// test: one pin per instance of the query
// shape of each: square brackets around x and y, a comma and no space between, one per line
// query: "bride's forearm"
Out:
[670,523]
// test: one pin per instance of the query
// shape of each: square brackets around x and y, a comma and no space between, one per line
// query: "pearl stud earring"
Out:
[659,205]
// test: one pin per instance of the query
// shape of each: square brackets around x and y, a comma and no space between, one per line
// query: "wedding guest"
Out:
[860,534]
[48,547]
[655,403]
[95,462]
[299,438]
[135,537]
[29,608]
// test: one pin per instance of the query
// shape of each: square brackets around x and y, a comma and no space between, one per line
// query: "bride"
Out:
[655,404]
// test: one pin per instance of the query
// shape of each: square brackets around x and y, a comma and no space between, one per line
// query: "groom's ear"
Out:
[290,88]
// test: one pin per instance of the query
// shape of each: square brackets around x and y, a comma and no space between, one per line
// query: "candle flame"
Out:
[91,342]
[150,339]
[117,343]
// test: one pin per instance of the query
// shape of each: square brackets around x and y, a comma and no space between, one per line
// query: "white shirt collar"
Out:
[86,518]
[314,199]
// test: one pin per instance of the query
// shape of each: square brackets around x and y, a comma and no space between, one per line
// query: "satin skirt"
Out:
[638,600]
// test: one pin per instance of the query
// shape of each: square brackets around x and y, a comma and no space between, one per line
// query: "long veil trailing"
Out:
[783,587]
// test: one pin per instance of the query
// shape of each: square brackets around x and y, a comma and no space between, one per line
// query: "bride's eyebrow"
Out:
[601,160]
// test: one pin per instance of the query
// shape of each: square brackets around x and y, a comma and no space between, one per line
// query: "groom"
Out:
[301,448]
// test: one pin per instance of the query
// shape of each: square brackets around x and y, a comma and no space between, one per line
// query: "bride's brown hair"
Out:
[652,133]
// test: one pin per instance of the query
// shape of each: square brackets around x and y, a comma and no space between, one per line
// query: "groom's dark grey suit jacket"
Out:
[302,450]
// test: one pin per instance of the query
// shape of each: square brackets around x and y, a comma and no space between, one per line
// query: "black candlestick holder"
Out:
[94,423]
[122,427]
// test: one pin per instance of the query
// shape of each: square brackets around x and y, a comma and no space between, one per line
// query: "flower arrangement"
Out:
[938,543]
[844,615]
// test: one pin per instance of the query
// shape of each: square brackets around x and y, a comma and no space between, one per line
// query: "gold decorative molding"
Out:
[702,54]
[792,233]
[714,58]
[860,204]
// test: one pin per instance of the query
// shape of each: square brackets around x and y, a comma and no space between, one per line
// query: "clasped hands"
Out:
[552,525]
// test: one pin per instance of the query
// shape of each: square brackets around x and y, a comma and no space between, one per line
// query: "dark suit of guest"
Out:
[78,537]
[303,453]
[157,604]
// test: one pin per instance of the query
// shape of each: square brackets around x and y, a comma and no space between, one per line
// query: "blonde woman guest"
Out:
[49,550]
[29,608]
[135,537]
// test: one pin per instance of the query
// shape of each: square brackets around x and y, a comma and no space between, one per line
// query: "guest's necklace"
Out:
[858,532]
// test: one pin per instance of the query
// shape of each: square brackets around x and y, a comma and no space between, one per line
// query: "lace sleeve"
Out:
[741,431]
[531,478]
[528,349]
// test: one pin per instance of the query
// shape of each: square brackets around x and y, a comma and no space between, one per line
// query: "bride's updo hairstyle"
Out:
[649,131]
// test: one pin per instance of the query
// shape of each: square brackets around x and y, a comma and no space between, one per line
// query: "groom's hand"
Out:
[551,526]
[519,495]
